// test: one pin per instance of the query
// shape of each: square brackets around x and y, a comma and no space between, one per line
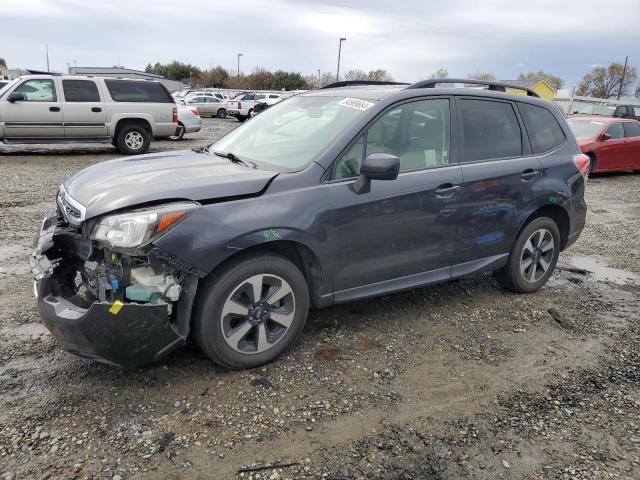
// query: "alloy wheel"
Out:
[134,140]
[537,255]
[257,314]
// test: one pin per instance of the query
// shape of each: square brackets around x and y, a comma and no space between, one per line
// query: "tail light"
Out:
[195,112]
[175,114]
[239,105]
[583,162]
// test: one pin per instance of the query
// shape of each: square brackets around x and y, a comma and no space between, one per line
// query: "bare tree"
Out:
[440,73]
[604,82]
[380,75]
[555,81]
[356,74]
[490,77]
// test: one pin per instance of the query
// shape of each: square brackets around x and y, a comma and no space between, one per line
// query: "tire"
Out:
[131,136]
[180,135]
[232,338]
[241,118]
[529,279]
[222,113]
[250,113]
[592,163]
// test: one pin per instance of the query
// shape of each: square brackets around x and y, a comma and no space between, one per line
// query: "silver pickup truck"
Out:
[76,109]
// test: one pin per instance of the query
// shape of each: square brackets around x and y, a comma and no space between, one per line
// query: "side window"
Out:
[542,127]
[80,91]
[616,130]
[38,91]
[632,129]
[259,97]
[138,91]
[418,133]
[491,130]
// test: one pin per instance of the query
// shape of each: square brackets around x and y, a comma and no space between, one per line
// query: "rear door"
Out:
[611,154]
[501,179]
[632,139]
[84,112]
[39,115]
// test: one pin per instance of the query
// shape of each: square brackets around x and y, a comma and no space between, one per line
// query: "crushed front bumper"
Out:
[128,334]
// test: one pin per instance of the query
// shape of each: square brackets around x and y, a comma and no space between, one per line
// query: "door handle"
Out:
[529,174]
[446,190]
[54,109]
[96,109]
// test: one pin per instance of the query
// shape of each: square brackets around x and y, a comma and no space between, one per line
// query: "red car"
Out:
[612,144]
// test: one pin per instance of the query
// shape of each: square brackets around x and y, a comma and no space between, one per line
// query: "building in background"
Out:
[121,72]
[543,88]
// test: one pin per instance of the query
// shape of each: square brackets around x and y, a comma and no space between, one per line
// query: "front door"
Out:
[39,115]
[402,232]
[611,154]
[84,112]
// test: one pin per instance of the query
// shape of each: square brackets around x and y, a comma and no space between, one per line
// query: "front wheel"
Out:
[241,118]
[222,113]
[180,134]
[533,257]
[251,311]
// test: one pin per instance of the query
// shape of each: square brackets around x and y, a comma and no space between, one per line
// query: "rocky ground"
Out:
[461,380]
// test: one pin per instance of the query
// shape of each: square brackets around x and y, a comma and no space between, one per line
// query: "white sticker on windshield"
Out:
[356,103]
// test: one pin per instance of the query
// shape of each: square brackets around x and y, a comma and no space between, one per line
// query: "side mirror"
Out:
[605,136]
[15,97]
[377,166]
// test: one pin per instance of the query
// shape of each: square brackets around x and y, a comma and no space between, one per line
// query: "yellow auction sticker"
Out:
[116,307]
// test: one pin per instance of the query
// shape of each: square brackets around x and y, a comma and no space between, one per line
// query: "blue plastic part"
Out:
[114,284]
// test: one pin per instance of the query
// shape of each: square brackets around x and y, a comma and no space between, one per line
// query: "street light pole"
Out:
[319,81]
[238,82]
[624,73]
[342,39]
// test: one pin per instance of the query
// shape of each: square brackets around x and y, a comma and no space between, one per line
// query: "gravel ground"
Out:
[461,380]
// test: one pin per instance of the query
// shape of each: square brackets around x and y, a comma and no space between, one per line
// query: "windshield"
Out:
[585,128]
[292,133]
[595,109]
[6,88]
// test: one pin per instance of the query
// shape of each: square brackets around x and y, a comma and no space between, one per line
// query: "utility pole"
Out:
[342,39]
[319,81]
[238,82]
[624,73]
[48,58]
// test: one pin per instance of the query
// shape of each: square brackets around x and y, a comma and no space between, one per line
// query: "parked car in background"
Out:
[189,121]
[612,144]
[616,111]
[241,107]
[209,106]
[220,96]
[331,196]
[73,108]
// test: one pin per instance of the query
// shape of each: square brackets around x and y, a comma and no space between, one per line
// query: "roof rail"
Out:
[349,83]
[496,86]
[40,72]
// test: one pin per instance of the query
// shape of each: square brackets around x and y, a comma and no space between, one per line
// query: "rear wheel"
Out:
[533,257]
[251,311]
[133,140]
[222,113]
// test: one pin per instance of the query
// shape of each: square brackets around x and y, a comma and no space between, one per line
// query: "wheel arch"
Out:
[558,214]
[123,122]
[297,252]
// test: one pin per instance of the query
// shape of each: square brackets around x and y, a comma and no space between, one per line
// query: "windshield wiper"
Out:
[235,159]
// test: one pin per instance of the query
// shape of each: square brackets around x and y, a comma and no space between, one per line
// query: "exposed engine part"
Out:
[147,286]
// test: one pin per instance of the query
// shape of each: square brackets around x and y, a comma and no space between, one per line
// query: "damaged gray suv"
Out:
[330,196]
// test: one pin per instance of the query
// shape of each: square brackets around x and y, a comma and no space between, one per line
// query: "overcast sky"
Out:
[410,39]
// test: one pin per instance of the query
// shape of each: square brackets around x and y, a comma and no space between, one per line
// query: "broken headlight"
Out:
[138,227]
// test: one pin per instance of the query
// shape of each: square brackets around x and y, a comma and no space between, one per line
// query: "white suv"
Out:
[241,106]
[77,109]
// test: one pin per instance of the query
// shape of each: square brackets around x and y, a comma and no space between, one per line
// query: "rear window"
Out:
[138,91]
[542,127]
[491,130]
[80,91]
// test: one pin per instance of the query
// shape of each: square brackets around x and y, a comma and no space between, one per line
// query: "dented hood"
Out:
[185,174]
